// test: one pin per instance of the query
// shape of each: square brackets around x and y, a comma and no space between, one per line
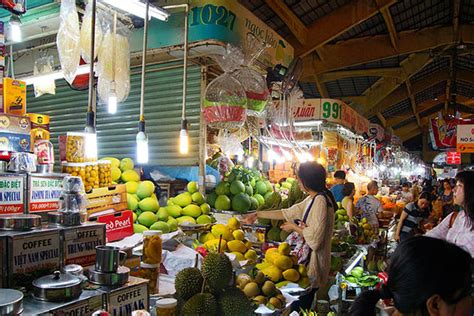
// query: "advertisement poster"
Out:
[465,138]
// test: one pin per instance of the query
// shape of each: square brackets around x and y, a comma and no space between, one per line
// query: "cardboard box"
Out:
[79,243]
[39,127]
[14,96]
[15,133]
[117,225]
[107,200]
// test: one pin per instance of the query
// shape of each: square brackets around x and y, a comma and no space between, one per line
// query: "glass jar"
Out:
[91,180]
[150,272]
[152,247]
[105,173]
[75,147]
[74,169]
[166,307]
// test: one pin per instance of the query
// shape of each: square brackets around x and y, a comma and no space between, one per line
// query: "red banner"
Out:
[443,131]
[453,158]
[118,225]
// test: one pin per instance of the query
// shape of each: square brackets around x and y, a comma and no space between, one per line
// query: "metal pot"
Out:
[19,222]
[57,287]
[11,302]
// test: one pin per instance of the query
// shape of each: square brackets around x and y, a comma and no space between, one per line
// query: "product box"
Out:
[79,243]
[107,200]
[85,307]
[130,297]
[15,133]
[44,191]
[31,254]
[13,188]
[117,225]
[14,96]
[39,127]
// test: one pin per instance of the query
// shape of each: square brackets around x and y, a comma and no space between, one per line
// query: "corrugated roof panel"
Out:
[309,90]
[465,108]
[264,13]
[465,89]
[434,66]
[431,92]
[349,86]
[466,62]
[372,26]
[383,63]
[467,11]
[311,10]
[416,14]
[432,110]
[397,108]
[406,122]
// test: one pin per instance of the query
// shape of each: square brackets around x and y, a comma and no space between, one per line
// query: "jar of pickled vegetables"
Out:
[152,247]
[75,147]
[74,169]
[166,307]
[105,173]
[150,272]
[91,180]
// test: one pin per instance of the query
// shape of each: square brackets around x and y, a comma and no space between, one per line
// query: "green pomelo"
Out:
[223,203]
[147,218]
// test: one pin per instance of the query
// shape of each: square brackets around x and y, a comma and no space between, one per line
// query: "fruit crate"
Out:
[107,200]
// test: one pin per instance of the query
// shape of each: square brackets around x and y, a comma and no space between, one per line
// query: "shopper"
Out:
[411,217]
[426,276]
[347,202]
[369,205]
[447,198]
[458,228]
[415,190]
[405,195]
[312,219]
[339,179]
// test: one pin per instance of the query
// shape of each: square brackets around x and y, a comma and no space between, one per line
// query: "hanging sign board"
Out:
[465,138]
[453,158]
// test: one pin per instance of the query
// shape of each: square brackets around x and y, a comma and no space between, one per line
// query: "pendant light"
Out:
[184,133]
[15,34]
[90,130]
[142,138]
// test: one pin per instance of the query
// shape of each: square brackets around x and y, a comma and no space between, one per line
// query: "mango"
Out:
[186,219]
[174,210]
[214,244]
[131,187]
[238,234]
[132,202]
[183,199]
[220,229]
[147,218]
[238,256]
[192,210]
[149,204]
[130,175]
[126,164]
[284,249]
[237,246]
[291,275]
[162,226]
[273,273]
[145,189]
[283,262]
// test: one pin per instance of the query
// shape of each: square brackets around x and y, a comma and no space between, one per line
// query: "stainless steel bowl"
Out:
[11,302]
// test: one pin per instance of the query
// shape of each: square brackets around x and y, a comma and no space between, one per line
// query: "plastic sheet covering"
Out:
[113,67]
[86,26]
[68,40]
[44,65]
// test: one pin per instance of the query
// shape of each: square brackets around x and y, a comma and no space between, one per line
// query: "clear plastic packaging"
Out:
[22,162]
[72,184]
[152,247]
[68,39]
[75,147]
[225,103]
[86,27]
[72,202]
[105,173]
[44,65]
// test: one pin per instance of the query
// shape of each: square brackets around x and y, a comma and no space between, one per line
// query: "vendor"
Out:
[405,195]
[313,220]
[348,201]
[412,215]
[339,179]
[369,205]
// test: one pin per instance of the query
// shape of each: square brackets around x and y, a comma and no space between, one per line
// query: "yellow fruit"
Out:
[295,259]
[284,249]
[214,244]
[364,220]
[302,270]
[239,256]
[206,237]
[272,257]
[273,273]
[367,226]
[238,234]
[236,246]
[116,174]
[131,187]
[233,223]
[248,244]
[270,250]
[251,255]
[283,262]
[304,282]
[263,265]
[221,229]
[291,275]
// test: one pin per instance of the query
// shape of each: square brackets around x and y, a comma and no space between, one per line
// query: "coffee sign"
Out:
[12,199]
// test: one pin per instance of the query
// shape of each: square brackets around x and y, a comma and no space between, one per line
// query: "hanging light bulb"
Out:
[112,101]
[15,29]
[142,144]
[287,155]
[308,156]
[90,142]
[184,138]
[250,162]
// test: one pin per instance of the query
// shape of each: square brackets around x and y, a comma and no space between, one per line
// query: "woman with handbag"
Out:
[311,226]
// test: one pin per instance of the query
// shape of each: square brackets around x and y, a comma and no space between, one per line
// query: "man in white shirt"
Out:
[369,205]
[405,196]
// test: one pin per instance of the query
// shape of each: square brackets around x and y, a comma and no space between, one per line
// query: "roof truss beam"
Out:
[413,102]
[296,26]
[392,31]
[396,72]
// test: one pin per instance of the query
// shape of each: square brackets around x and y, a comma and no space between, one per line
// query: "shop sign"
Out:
[80,243]
[82,308]
[118,225]
[128,299]
[12,194]
[453,158]
[217,20]
[465,138]
[44,194]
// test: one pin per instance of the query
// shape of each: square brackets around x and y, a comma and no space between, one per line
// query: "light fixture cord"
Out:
[185,63]
[113,49]
[145,40]
[91,103]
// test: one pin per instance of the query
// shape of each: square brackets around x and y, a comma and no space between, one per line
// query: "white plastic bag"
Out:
[86,33]
[68,40]
[44,65]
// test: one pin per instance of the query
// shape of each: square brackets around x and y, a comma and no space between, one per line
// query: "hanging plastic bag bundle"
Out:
[44,65]
[68,40]
[254,83]
[86,26]
[225,105]
[113,66]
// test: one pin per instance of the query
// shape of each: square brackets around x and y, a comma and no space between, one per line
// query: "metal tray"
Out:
[20,222]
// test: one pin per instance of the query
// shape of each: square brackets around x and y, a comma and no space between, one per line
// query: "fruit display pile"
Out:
[261,290]
[340,218]
[362,231]
[233,241]
[210,291]
[359,277]
[241,190]
[282,268]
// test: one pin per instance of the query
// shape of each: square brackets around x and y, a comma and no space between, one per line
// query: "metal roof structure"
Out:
[399,62]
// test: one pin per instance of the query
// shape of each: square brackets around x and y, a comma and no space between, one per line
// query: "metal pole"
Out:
[145,42]
[185,63]
[92,51]
[202,135]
